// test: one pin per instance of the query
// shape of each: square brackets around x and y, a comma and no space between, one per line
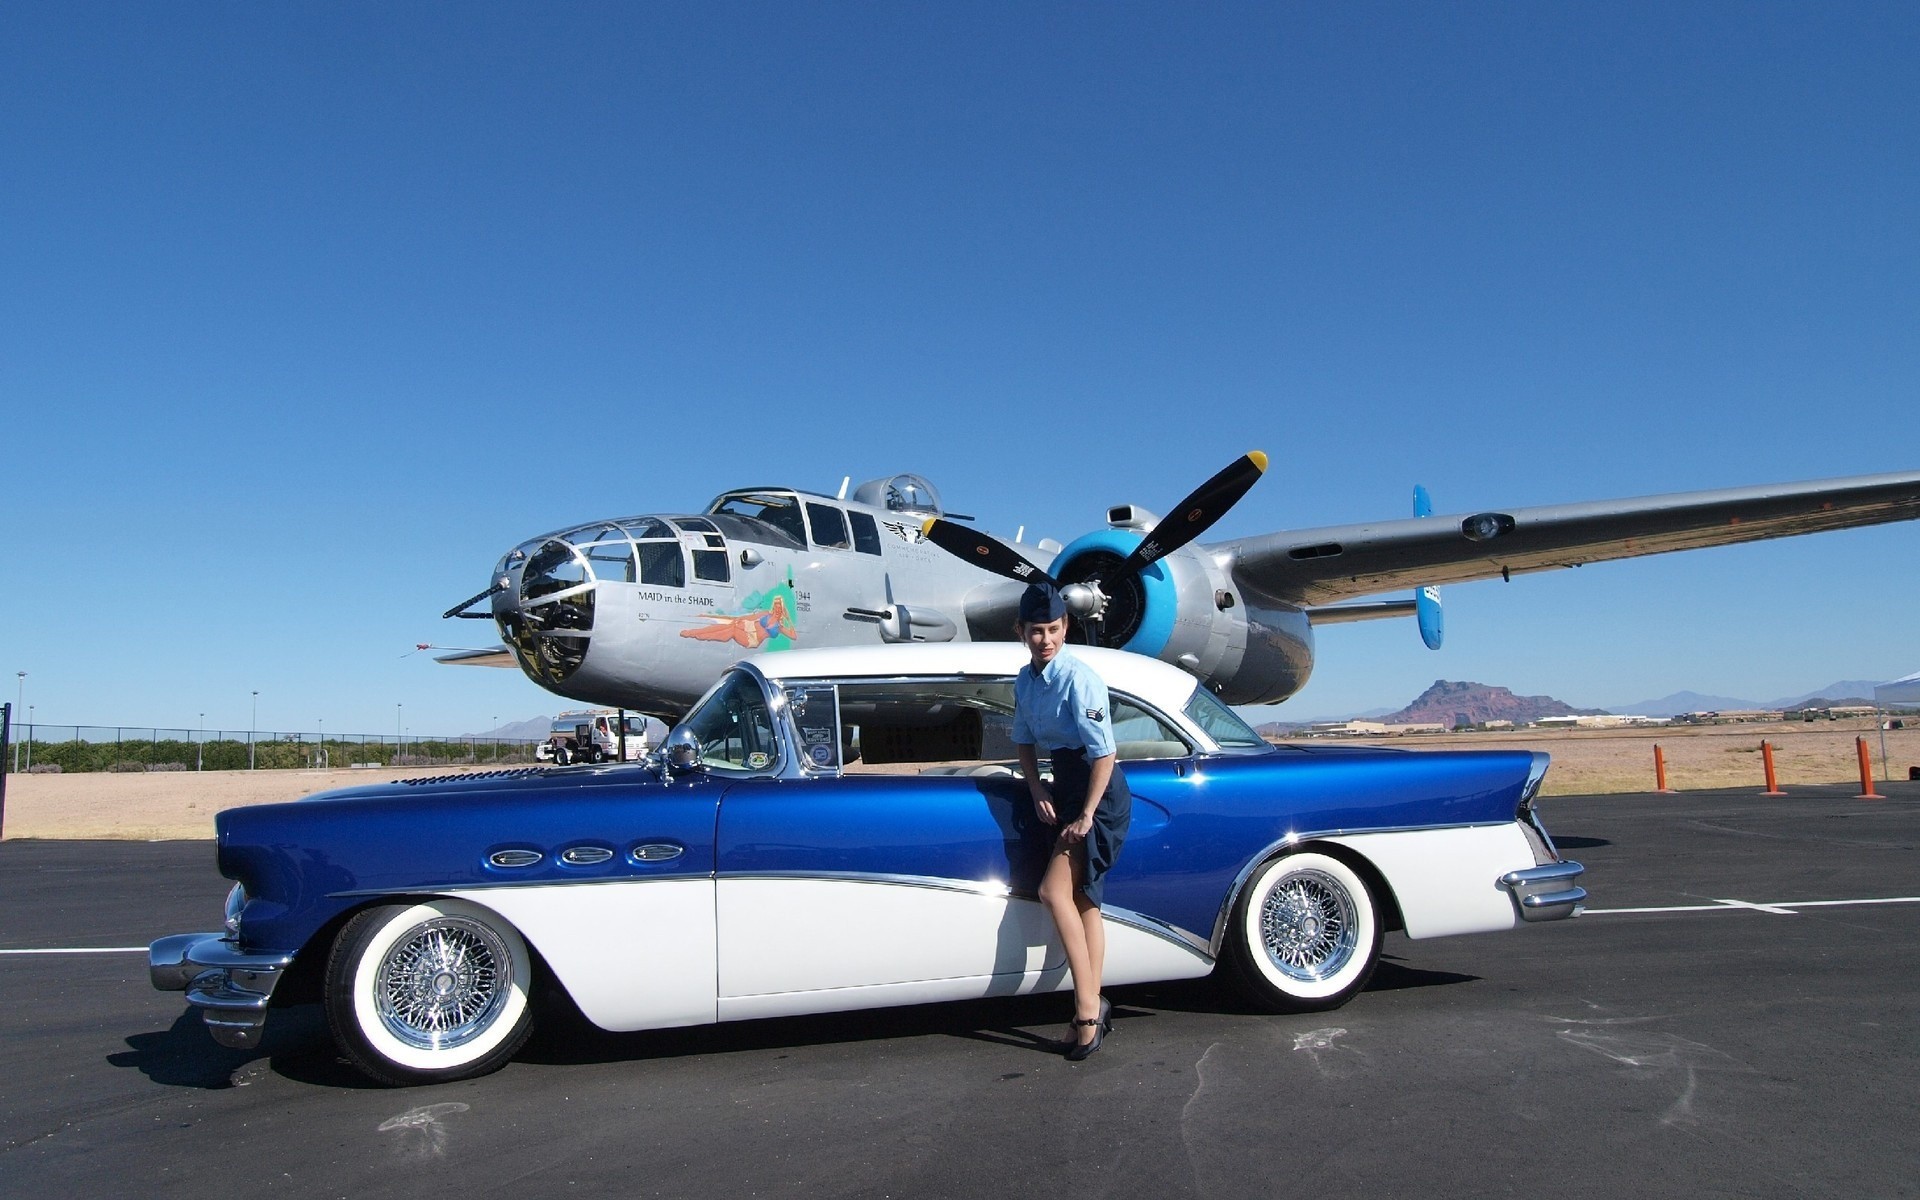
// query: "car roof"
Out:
[1149,679]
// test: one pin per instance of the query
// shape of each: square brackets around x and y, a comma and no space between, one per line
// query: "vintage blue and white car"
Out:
[841,829]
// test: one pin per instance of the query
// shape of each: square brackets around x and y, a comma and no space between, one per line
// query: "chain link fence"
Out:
[64,748]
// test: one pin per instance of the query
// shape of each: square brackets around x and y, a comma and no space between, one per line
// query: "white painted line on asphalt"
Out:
[1775,909]
[1779,907]
[83,950]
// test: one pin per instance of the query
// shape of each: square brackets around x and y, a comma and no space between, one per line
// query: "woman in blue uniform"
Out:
[1060,703]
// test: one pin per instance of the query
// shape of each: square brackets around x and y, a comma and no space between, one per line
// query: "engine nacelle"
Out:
[1185,609]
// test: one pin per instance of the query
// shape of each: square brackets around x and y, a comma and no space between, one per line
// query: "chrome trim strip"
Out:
[990,887]
[1273,848]
[652,852]
[1158,928]
[513,859]
[585,856]
[1125,916]
[486,885]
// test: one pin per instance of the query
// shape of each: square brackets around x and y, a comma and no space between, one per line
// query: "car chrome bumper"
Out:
[1547,893]
[229,985]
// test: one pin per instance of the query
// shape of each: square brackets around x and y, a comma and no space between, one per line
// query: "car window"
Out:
[1139,734]
[1222,724]
[734,727]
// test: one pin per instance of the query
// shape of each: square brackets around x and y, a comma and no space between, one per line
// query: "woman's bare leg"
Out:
[1078,921]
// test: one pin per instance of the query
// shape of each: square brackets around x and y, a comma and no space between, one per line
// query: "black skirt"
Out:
[1110,820]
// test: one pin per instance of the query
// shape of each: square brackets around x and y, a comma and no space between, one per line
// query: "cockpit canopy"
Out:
[901,494]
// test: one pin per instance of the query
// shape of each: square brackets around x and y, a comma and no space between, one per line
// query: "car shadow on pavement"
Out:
[185,1055]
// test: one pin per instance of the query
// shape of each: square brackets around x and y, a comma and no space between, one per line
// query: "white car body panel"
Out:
[632,955]
[815,945]
[1447,881]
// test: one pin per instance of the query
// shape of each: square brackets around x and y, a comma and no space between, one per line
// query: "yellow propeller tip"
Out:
[1258,458]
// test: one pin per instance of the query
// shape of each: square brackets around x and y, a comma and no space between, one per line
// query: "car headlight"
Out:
[236,900]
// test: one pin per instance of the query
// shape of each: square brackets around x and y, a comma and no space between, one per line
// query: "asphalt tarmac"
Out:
[1723,1049]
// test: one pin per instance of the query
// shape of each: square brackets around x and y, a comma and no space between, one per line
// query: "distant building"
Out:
[1731,716]
[1598,721]
[1901,693]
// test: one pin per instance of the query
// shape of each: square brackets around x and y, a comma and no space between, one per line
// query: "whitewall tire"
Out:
[1304,935]
[428,992]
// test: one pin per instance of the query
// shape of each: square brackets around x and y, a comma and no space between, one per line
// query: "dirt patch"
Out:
[1603,761]
[166,804]
[181,804]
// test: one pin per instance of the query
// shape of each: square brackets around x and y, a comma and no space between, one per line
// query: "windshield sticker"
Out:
[757,760]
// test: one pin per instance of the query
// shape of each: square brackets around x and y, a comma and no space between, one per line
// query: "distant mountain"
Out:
[1684,702]
[1839,691]
[530,730]
[1451,702]
[1843,691]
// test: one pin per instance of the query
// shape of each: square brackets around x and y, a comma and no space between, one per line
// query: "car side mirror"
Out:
[683,751]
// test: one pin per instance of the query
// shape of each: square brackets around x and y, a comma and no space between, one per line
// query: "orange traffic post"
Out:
[1773,784]
[1659,770]
[1866,772]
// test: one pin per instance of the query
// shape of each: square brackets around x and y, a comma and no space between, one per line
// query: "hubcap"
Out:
[443,983]
[1308,926]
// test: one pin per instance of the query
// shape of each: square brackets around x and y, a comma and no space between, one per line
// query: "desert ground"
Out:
[169,805]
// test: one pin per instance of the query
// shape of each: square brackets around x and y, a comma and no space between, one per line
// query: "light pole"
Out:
[1883,752]
[399,739]
[252,723]
[18,699]
[200,743]
[321,759]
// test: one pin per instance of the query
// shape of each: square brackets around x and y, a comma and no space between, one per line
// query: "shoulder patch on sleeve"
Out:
[1096,714]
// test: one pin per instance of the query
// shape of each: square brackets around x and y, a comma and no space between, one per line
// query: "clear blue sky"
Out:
[308,312]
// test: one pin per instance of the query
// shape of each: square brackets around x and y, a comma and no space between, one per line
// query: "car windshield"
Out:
[1222,724]
[734,727]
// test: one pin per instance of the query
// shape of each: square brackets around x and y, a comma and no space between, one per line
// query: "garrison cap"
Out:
[1042,602]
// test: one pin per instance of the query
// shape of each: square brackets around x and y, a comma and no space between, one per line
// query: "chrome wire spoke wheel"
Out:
[1304,934]
[1308,926]
[440,984]
[428,991]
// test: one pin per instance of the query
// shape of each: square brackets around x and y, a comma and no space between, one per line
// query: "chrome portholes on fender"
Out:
[428,992]
[1304,935]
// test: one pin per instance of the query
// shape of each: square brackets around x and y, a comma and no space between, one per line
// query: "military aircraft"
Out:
[643,613]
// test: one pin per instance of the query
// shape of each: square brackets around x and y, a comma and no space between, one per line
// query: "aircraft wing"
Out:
[1344,562]
[499,656]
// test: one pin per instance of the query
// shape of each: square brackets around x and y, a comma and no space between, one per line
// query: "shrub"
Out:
[166,766]
[128,768]
[44,769]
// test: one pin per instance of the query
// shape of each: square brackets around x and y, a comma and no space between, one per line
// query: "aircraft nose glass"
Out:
[554,609]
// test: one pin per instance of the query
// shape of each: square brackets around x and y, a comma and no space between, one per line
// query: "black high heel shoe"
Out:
[1102,1025]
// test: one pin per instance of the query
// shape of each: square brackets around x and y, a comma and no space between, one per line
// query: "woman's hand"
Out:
[1043,806]
[1077,832]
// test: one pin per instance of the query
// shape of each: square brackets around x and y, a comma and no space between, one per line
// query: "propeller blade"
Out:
[982,551]
[1426,600]
[1192,516]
